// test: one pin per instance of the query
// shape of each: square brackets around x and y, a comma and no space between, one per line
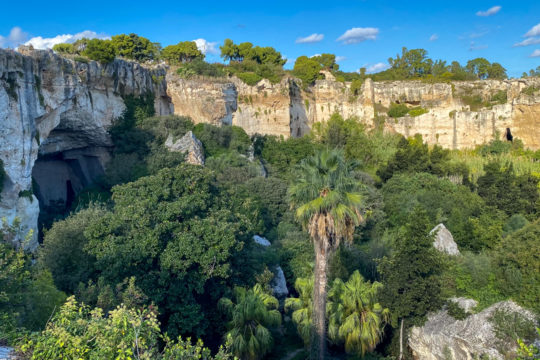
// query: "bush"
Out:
[418,111]
[201,68]
[248,78]
[64,48]
[219,139]
[79,332]
[356,86]
[398,110]
[81,59]
[100,50]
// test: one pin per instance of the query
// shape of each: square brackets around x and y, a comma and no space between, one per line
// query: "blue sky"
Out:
[378,29]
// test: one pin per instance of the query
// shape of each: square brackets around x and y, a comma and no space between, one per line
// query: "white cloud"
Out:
[357,35]
[39,42]
[434,37]
[340,58]
[535,31]
[370,69]
[206,47]
[473,46]
[490,11]
[528,41]
[16,37]
[536,53]
[313,38]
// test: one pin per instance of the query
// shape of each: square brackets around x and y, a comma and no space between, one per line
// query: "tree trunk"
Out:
[401,340]
[318,335]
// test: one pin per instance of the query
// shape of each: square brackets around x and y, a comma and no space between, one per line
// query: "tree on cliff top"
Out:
[135,47]
[183,52]
[307,70]
[100,50]
[246,51]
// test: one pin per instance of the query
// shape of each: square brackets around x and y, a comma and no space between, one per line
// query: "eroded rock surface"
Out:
[442,337]
[188,144]
[444,241]
[51,106]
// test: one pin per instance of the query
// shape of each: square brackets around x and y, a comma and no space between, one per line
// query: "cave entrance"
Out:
[59,178]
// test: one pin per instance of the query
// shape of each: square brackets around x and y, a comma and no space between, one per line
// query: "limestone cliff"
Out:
[59,110]
[285,109]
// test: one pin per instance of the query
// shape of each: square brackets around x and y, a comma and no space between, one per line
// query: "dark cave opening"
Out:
[59,178]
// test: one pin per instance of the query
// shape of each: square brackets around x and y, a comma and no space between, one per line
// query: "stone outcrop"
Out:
[442,337]
[55,113]
[444,241]
[278,283]
[188,144]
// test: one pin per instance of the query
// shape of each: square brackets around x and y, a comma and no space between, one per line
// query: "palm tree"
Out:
[355,316]
[327,201]
[253,313]
[302,308]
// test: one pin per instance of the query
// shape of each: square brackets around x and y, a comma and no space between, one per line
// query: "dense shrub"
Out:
[135,47]
[398,110]
[417,111]
[200,68]
[64,48]
[220,139]
[100,50]
[249,78]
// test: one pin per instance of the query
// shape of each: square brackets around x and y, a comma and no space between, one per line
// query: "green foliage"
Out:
[183,52]
[398,110]
[509,327]
[26,194]
[412,273]
[246,51]
[413,155]
[249,78]
[356,318]
[231,167]
[517,262]
[252,315]
[178,236]
[63,251]
[455,311]
[530,90]
[100,50]
[135,47]
[356,86]
[81,59]
[27,295]
[220,139]
[307,70]
[327,61]
[502,188]
[473,276]
[500,97]
[302,308]
[281,154]
[473,225]
[200,68]
[417,111]
[79,332]
[528,352]
[64,48]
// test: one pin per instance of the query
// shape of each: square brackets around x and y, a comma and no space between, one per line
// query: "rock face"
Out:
[284,109]
[190,145]
[55,113]
[442,337]
[444,241]
[278,283]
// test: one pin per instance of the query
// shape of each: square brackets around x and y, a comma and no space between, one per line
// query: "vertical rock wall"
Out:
[51,106]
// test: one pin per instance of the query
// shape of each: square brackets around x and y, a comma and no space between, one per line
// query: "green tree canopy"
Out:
[307,70]
[356,318]
[99,50]
[135,47]
[253,313]
[183,52]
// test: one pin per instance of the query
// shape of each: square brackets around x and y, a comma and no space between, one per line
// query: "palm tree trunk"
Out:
[401,340]
[318,335]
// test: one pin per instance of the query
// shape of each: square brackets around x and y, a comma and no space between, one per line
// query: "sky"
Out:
[361,33]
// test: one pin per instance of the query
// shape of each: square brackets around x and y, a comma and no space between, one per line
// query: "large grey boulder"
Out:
[444,241]
[444,338]
[188,144]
